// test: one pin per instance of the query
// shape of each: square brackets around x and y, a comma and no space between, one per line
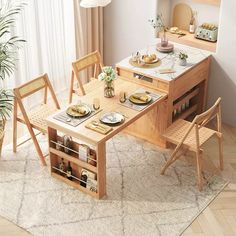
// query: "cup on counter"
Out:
[96,103]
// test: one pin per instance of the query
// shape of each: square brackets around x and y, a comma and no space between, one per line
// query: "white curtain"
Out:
[48,28]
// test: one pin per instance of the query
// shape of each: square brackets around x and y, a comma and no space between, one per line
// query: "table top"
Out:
[195,56]
[107,105]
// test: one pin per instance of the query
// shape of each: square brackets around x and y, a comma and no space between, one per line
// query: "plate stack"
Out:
[166,49]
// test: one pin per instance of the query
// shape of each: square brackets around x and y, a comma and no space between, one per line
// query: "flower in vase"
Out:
[108,74]
[158,23]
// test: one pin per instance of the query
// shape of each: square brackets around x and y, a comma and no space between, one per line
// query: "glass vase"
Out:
[109,90]
[164,40]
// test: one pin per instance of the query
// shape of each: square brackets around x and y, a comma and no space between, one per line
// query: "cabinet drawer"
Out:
[142,79]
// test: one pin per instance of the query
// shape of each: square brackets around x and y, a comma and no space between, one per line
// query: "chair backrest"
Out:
[204,118]
[34,86]
[201,120]
[91,59]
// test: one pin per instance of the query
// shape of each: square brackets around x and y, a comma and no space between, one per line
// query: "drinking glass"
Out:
[122,96]
[96,103]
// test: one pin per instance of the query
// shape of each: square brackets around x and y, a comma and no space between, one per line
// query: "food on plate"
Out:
[78,109]
[149,58]
[142,98]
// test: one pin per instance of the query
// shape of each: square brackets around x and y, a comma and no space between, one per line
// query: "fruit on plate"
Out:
[78,109]
[141,97]
[149,58]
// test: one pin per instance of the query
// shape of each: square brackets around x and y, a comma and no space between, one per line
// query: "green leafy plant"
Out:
[6,98]
[9,46]
[158,23]
[183,56]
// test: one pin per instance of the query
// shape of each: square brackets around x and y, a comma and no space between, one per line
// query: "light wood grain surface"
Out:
[107,105]
[190,40]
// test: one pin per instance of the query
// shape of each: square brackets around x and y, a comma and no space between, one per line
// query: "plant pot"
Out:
[182,62]
[2,129]
[109,90]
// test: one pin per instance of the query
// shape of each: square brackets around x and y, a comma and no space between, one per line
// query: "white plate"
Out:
[149,63]
[112,118]
[75,114]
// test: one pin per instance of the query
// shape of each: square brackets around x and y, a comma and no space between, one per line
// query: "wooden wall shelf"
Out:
[211,2]
[190,40]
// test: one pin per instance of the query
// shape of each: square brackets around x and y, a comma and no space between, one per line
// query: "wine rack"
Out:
[70,154]
[186,105]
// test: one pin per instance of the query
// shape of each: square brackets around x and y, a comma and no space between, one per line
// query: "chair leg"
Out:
[36,144]
[199,170]
[221,157]
[71,87]
[172,159]
[15,126]
[168,163]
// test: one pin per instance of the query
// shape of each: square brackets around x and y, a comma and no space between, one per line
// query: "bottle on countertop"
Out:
[192,23]
[69,172]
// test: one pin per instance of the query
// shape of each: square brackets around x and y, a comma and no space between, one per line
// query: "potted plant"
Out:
[158,24]
[183,59]
[108,75]
[8,48]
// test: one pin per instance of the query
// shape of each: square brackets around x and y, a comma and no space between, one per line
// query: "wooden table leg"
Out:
[101,168]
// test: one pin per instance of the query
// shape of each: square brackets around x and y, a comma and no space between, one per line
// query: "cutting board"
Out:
[182,15]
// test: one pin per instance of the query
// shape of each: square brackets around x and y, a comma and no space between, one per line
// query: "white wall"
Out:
[127,28]
[223,70]
[205,13]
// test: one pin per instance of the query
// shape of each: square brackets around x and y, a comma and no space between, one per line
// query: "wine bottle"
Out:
[84,178]
[62,166]
[69,172]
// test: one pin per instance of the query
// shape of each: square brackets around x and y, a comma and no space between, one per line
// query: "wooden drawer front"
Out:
[125,73]
[190,79]
[142,79]
[163,86]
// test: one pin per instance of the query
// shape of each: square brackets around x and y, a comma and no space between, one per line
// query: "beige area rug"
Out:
[139,201]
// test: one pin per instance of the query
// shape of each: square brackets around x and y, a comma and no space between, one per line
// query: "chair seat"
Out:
[38,116]
[178,129]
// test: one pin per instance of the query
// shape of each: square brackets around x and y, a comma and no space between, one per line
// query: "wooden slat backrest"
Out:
[204,118]
[34,86]
[87,61]
[31,87]
[92,59]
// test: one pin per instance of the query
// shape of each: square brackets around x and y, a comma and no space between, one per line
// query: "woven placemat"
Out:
[155,96]
[65,118]
[136,64]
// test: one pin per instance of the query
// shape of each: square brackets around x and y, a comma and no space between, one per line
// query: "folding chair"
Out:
[35,118]
[192,135]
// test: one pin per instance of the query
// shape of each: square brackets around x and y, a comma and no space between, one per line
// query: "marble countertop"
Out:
[168,60]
